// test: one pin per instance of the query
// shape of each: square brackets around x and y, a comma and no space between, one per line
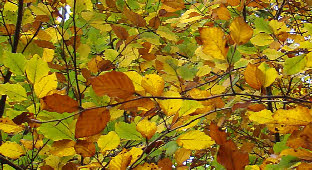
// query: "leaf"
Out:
[15,61]
[48,55]
[263,117]
[85,148]
[127,131]
[181,155]
[268,74]
[214,42]
[45,85]
[297,116]
[261,39]
[91,122]
[241,32]
[113,84]
[125,158]
[165,32]
[302,138]
[135,18]
[36,69]
[59,103]
[251,75]
[189,107]
[223,13]
[11,150]
[56,131]
[230,157]
[294,65]
[195,140]
[170,106]
[14,91]
[8,126]
[172,5]
[216,134]
[63,147]
[109,141]
[153,84]
[146,128]
[120,32]
[146,166]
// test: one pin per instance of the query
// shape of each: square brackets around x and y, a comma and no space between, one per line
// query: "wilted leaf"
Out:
[195,140]
[11,150]
[165,164]
[214,42]
[241,32]
[135,18]
[146,128]
[113,84]
[91,122]
[170,106]
[146,166]
[216,134]
[59,103]
[120,32]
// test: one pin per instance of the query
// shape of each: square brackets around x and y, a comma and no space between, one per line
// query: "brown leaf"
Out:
[59,103]
[85,148]
[231,158]
[135,18]
[216,134]
[120,32]
[113,84]
[24,117]
[154,22]
[91,122]
[70,166]
[44,44]
[256,107]
[165,164]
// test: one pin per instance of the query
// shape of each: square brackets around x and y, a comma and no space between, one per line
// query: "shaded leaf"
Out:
[91,122]
[85,148]
[36,69]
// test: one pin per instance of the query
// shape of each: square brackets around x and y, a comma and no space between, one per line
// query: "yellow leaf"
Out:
[136,80]
[45,85]
[63,148]
[36,69]
[147,166]
[146,128]
[214,42]
[48,55]
[263,117]
[109,141]
[223,13]
[8,126]
[297,116]
[125,158]
[153,84]
[171,106]
[11,150]
[251,75]
[195,140]
[203,70]
[182,155]
[278,27]
[269,74]
[309,60]
[53,161]
[241,32]
[261,39]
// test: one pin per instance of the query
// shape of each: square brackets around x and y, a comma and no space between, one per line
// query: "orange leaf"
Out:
[301,138]
[165,164]
[113,84]
[182,155]
[59,103]
[223,13]
[241,32]
[216,134]
[252,76]
[85,148]
[91,122]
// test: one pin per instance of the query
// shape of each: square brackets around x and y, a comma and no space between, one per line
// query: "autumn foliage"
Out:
[155,84]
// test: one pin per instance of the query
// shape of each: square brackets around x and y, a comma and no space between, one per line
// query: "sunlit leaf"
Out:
[294,65]
[11,150]
[109,141]
[36,69]
[45,85]
[63,148]
[153,84]
[15,61]
[241,32]
[195,140]
[14,91]
[146,128]
[182,155]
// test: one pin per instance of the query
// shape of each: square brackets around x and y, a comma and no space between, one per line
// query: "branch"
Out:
[4,160]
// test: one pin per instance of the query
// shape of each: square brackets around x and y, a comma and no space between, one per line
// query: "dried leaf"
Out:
[59,103]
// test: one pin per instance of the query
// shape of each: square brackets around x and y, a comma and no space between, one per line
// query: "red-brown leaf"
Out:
[91,122]
[135,18]
[216,134]
[120,32]
[85,148]
[113,84]
[59,103]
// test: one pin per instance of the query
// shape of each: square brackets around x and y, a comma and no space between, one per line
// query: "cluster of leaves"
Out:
[155,84]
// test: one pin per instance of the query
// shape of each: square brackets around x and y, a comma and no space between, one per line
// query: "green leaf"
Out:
[151,38]
[262,26]
[294,65]
[189,107]
[14,91]
[127,131]
[15,61]
[279,146]
[187,72]
[36,68]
